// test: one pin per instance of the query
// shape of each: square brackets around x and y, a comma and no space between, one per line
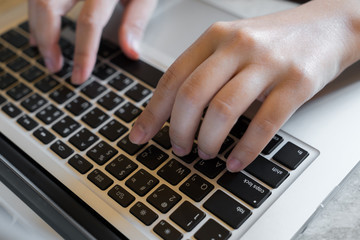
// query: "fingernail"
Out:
[234,165]
[203,155]
[49,64]
[137,134]
[134,43]
[178,150]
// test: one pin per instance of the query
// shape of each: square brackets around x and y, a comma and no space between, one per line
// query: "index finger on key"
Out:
[160,106]
[45,23]
[93,17]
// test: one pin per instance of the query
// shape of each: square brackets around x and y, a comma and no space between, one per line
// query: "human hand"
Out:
[45,23]
[282,59]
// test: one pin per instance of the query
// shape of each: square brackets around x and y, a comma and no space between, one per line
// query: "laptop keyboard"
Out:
[172,197]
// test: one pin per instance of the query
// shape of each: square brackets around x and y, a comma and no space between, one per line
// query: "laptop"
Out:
[65,151]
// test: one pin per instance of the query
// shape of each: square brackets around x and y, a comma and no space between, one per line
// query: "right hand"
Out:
[45,23]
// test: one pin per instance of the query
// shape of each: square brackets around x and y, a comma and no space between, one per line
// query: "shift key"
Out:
[245,188]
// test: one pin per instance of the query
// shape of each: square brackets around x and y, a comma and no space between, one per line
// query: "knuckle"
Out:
[88,20]
[224,107]
[303,81]
[244,36]
[168,82]
[44,5]
[189,93]
[266,126]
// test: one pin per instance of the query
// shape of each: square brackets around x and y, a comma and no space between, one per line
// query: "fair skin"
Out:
[282,59]
[45,22]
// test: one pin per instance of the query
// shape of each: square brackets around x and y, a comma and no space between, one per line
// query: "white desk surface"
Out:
[339,219]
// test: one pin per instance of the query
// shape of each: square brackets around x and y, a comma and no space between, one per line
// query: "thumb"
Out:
[135,19]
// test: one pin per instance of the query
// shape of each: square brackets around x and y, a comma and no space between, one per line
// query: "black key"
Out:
[128,112]
[152,157]
[67,68]
[83,139]
[78,106]
[187,216]
[93,89]
[103,71]
[128,146]
[291,155]
[210,168]
[6,80]
[62,94]
[11,110]
[32,52]
[80,164]
[6,54]
[139,69]
[163,198]
[141,182]
[227,209]
[65,126]
[120,82]
[173,172]
[1,70]
[27,122]
[212,230]
[25,26]
[49,114]
[268,172]
[274,143]
[44,135]
[17,64]
[34,102]
[162,138]
[101,153]
[46,84]
[110,100]
[138,92]
[240,127]
[14,38]
[121,196]
[121,167]
[19,91]
[166,231]
[41,61]
[31,74]
[2,99]
[95,117]
[196,187]
[67,48]
[245,188]
[226,144]
[113,130]
[107,48]
[192,155]
[100,179]
[61,149]
[143,213]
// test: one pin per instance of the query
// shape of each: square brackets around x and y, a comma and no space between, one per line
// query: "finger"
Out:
[92,19]
[226,107]
[195,94]
[275,111]
[135,19]
[159,108]
[45,23]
